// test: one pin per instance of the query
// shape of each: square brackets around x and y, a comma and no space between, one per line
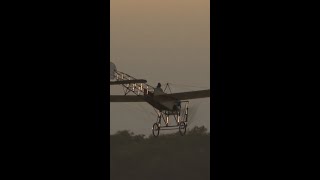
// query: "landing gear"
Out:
[181,121]
[182,128]
[155,129]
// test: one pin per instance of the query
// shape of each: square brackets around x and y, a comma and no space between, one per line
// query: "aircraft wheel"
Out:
[182,128]
[155,129]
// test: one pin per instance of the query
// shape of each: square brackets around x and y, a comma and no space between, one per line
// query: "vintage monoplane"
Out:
[165,104]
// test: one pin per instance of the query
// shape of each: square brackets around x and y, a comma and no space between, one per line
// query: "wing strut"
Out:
[131,84]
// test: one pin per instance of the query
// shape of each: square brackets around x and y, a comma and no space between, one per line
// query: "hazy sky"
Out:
[160,41]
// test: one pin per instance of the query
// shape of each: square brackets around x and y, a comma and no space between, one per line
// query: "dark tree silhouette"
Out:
[169,156]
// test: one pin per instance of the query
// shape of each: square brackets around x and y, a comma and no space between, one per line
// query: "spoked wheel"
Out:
[182,128]
[155,129]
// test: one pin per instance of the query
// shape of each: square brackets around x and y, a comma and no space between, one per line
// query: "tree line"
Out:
[169,156]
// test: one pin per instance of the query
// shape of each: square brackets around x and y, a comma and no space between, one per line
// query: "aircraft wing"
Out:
[189,95]
[128,81]
[127,98]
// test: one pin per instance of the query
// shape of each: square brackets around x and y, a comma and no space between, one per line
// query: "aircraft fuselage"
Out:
[163,103]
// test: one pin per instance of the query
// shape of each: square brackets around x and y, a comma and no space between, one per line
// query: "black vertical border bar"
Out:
[103,91]
[217,98]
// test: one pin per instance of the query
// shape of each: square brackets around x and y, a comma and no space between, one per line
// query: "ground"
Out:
[165,157]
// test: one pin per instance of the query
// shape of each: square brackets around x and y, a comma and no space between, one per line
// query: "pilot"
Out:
[158,90]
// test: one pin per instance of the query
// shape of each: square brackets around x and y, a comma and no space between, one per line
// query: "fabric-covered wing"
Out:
[128,81]
[130,98]
[189,95]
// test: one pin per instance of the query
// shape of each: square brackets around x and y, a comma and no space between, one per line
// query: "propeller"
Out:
[113,68]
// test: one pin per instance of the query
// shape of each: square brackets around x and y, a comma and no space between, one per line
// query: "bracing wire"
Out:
[185,85]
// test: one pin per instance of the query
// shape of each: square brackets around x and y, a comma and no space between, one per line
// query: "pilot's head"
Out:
[159,85]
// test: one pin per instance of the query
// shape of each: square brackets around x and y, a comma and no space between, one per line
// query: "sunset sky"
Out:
[160,41]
